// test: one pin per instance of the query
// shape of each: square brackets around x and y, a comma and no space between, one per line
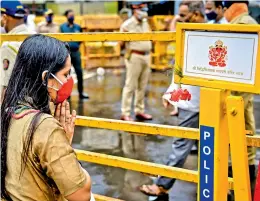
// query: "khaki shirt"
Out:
[245,18]
[132,25]
[8,53]
[44,27]
[52,171]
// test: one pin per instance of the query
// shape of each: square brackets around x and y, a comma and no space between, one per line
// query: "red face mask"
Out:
[65,91]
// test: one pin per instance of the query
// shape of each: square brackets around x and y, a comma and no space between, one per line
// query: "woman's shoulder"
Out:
[48,119]
[47,125]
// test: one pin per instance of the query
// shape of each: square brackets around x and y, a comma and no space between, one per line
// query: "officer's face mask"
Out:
[49,18]
[142,13]
[65,90]
[71,19]
[25,18]
[212,15]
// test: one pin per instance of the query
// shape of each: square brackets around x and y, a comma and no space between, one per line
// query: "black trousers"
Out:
[76,62]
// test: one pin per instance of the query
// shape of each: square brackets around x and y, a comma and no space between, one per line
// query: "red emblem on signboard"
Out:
[218,54]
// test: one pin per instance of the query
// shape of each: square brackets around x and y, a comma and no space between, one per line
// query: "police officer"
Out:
[29,20]
[71,27]
[137,64]
[48,26]
[12,21]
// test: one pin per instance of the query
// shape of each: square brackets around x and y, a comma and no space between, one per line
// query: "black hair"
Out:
[197,6]
[218,4]
[38,53]
[227,4]
[67,12]
[184,3]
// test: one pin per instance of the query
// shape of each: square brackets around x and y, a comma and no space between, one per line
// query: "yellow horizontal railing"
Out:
[104,198]
[141,166]
[104,36]
[137,127]
[151,129]
[148,129]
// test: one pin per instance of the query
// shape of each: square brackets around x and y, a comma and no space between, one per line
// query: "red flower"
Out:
[185,95]
[180,94]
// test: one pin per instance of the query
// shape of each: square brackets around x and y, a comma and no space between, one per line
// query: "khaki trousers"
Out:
[137,76]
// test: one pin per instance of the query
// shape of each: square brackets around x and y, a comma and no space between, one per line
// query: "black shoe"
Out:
[83,96]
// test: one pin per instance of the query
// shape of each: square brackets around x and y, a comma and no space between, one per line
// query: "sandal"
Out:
[152,190]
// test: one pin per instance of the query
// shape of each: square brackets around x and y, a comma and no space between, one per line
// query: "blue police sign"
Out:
[206,163]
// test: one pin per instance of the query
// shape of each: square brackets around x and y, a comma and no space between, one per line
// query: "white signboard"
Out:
[221,56]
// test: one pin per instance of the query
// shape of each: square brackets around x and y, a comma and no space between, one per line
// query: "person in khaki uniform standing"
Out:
[137,64]
[48,26]
[37,160]
[12,21]
[237,13]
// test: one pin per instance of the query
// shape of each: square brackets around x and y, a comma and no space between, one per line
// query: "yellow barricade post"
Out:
[213,165]
[214,127]
[236,121]
[216,65]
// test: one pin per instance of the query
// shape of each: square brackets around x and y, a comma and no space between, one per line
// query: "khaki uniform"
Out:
[9,52]
[248,98]
[137,67]
[52,171]
[44,27]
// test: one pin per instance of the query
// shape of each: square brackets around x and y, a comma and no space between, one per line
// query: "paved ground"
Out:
[105,101]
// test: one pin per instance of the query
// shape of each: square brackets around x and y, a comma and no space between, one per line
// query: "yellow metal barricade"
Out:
[105,54]
[212,114]
[163,51]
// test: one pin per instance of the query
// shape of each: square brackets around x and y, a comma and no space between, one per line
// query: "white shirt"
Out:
[2,31]
[221,21]
[92,197]
[193,105]
[30,24]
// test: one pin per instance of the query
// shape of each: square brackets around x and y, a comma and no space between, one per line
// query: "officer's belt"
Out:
[139,52]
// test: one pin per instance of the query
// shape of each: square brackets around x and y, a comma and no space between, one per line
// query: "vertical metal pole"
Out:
[213,154]
[81,8]
[238,147]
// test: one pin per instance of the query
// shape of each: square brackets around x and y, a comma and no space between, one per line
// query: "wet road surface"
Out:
[105,102]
